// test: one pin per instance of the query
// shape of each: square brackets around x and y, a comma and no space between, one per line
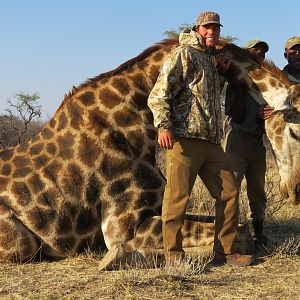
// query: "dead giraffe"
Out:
[89,179]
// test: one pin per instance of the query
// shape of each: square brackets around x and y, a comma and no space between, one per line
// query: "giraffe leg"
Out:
[17,243]
[146,249]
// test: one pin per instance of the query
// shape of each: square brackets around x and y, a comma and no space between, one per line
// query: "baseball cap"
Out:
[292,41]
[208,17]
[254,42]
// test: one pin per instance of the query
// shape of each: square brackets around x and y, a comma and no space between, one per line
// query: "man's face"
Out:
[259,52]
[293,57]
[210,33]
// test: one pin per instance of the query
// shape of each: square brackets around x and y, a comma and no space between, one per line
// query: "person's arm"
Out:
[234,103]
[170,81]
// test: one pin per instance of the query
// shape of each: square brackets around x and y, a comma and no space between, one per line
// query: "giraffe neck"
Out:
[265,82]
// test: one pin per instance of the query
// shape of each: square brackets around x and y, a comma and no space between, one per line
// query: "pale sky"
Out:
[47,46]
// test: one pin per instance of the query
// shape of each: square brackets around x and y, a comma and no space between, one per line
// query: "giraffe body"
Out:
[89,179]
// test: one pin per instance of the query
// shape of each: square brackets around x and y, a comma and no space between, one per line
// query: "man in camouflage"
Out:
[185,102]
[292,54]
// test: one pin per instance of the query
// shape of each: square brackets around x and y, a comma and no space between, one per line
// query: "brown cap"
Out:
[292,41]
[255,42]
[208,17]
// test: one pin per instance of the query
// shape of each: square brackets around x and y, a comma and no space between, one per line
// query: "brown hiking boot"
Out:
[237,260]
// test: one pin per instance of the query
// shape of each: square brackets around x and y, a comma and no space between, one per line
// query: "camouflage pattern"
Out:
[208,17]
[292,41]
[186,96]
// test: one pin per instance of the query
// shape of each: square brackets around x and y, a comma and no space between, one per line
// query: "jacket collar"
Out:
[195,40]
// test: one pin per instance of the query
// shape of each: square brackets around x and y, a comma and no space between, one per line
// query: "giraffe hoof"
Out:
[117,258]
[112,259]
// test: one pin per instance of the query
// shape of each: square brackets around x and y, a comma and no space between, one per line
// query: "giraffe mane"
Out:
[268,65]
[271,67]
[129,63]
[91,81]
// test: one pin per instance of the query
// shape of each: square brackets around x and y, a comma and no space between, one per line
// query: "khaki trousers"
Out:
[187,159]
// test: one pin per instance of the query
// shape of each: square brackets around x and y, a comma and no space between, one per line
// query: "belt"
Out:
[248,135]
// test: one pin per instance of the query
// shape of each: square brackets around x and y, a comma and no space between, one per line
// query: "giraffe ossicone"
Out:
[89,179]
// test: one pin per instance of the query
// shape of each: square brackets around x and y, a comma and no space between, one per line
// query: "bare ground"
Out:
[274,277]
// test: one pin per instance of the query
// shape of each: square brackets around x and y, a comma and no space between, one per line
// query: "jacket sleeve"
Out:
[169,83]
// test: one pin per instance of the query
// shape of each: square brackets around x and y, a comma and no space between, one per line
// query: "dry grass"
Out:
[276,274]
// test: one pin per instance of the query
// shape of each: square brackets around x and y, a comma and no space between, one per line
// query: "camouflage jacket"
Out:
[289,76]
[186,96]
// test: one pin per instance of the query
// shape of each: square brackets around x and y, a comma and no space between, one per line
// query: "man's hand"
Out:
[223,61]
[265,111]
[166,139]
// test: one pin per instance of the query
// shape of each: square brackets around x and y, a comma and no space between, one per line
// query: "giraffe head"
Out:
[267,84]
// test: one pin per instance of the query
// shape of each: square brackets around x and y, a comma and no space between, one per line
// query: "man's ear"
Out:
[285,55]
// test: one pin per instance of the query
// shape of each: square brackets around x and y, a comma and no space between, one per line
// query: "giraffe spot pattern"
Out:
[93,190]
[52,170]
[52,123]
[5,169]
[73,180]
[49,198]
[64,224]
[65,243]
[22,193]
[262,86]
[23,148]
[65,141]
[146,178]
[22,172]
[88,150]
[40,161]
[109,98]
[3,183]
[146,199]
[140,101]
[124,203]
[126,118]
[21,161]
[47,133]
[75,115]
[36,149]
[119,186]
[112,165]
[66,154]
[86,221]
[140,82]
[97,121]
[41,219]
[62,121]
[121,84]
[87,98]
[51,148]
[116,141]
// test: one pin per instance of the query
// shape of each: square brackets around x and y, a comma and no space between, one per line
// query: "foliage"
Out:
[175,33]
[21,119]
